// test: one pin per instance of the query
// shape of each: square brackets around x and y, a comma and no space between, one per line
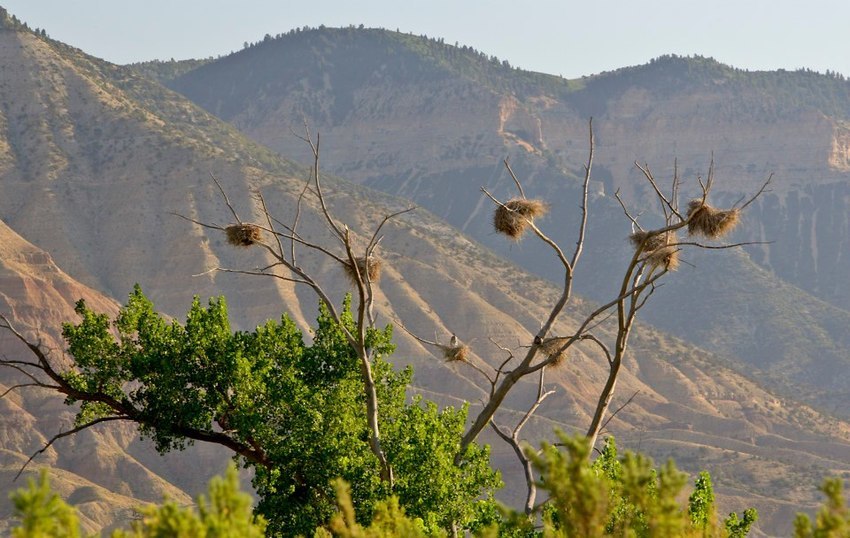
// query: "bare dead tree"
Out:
[360,265]
[656,253]
[512,438]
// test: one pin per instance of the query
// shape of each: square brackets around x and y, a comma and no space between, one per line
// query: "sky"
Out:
[565,37]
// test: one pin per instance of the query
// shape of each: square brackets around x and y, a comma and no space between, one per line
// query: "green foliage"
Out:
[740,527]
[833,519]
[701,503]
[389,520]
[302,405]
[226,513]
[42,513]
[628,499]
[621,496]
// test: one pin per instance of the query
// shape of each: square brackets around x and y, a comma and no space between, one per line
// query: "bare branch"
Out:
[374,240]
[297,219]
[674,190]
[225,198]
[626,211]
[262,273]
[720,247]
[66,434]
[585,187]
[212,226]
[600,344]
[317,181]
[270,221]
[759,193]
[614,414]
[23,385]
[511,172]
[665,203]
[513,441]
[298,239]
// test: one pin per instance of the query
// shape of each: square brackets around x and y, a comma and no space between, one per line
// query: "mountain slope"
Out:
[418,118]
[107,471]
[94,160]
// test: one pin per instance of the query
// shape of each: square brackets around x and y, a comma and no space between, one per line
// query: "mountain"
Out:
[94,161]
[106,472]
[419,118]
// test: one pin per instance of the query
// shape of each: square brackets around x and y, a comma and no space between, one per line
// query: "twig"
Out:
[614,414]
[66,434]
[511,172]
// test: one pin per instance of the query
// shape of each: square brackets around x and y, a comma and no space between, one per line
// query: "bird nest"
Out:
[648,240]
[660,248]
[554,349]
[666,257]
[243,234]
[709,221]
[372,268]
[512,218]
[455,353]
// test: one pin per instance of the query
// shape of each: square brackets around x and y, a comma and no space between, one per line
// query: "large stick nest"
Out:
[243,234]
[666,257]
[512,218]
[709,221]
[455,353]
[373,267]
[648,239]
[660,248]
[554,349]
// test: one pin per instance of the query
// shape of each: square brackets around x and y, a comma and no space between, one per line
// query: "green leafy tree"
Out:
[293,412]
[389,520]
[225,513]
[43,514]
[739,527]
[833,518]
[701,504]
[621,496]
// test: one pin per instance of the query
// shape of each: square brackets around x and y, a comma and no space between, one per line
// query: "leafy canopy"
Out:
[293,411]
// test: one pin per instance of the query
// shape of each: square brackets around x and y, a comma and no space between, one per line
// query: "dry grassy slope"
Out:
[104,214]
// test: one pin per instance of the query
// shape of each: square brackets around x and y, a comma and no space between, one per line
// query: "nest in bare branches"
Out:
[455,353]
[652,240]
[666,257]
[243,234]
[554,349]
[709,221]
[373,267]
[660,248]
[512,218]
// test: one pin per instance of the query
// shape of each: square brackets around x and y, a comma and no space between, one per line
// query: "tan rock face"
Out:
[839,158]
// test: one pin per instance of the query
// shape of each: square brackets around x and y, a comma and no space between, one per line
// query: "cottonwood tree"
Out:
[106,391]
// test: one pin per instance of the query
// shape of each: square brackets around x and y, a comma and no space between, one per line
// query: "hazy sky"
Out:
[567,38]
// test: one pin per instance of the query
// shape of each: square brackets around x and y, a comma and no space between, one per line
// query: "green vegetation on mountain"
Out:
[164,71]
[354,58]
[756,95]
